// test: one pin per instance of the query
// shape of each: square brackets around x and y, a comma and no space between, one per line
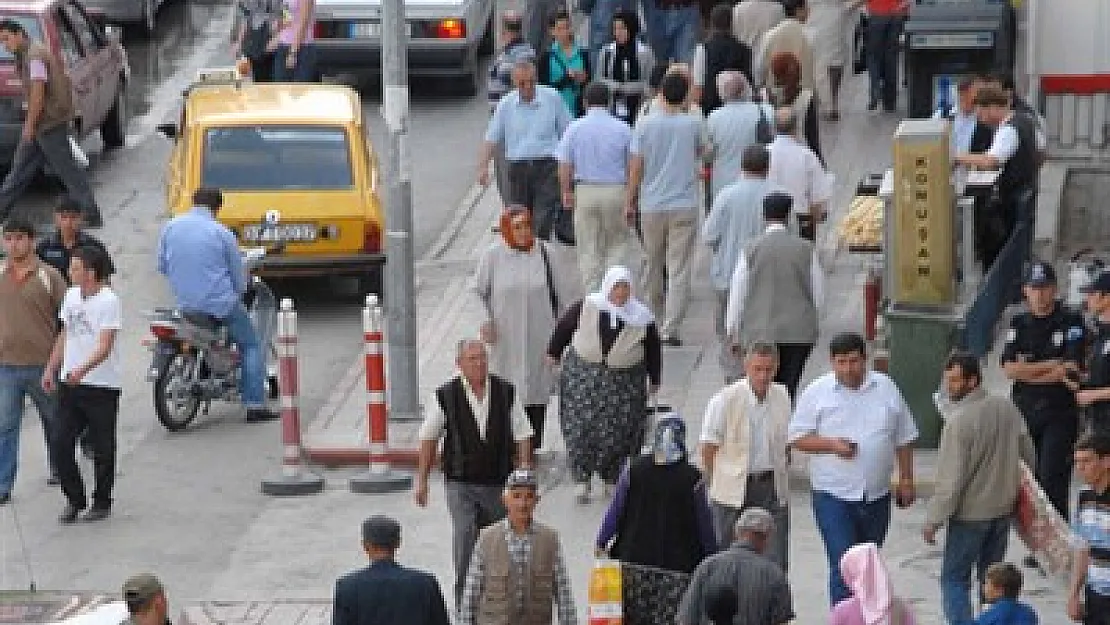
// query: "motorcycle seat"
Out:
[203,321]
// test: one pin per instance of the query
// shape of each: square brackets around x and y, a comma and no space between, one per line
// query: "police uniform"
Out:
[53,251]
[1098,367]
[1050,411]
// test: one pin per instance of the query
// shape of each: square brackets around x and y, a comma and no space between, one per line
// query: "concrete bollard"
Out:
[380,478]
[294,479]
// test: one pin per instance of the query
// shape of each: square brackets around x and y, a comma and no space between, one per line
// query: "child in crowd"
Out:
[1001,590]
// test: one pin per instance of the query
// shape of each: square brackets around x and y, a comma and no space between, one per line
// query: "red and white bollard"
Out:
[294,479]
[872,299]
[380,478]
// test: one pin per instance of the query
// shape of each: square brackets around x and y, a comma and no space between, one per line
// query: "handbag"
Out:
[550,280]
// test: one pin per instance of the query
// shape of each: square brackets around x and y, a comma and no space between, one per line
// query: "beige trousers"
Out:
[669,238]
[601,233]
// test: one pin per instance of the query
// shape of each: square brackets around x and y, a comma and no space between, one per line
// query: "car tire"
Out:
[114,129]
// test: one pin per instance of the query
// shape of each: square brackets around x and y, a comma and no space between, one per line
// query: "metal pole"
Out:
[400,305]
[380,478]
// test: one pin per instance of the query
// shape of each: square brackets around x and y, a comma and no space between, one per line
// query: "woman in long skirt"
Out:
[610,351]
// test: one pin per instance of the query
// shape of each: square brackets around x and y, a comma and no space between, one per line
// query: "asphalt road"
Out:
[184,500]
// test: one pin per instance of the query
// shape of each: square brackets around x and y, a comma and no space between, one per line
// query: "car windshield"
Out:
[30,24]
[276,158]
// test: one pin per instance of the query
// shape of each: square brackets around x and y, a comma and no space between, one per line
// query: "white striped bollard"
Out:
[380,478]
[294,479]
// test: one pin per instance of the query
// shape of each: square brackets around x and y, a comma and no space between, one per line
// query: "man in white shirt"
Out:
[776,293]
[88,395]
[751,19]
[796,168]
[962,115]
[856,424]
[743,449]
[485,432]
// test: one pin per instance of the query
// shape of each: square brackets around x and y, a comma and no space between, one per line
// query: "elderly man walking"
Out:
[982,446]
[663,190]
[734,221]
[797,168]
[857,425]
[733,127]
[593,169]
[776,293]
[485,433]
[530,120]
[789,35]
[751,19]
[762,591]
[743,448]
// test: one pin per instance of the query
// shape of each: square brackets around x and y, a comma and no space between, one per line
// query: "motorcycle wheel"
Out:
[174,404]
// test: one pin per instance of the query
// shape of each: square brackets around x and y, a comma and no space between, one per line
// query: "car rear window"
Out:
[276,158]
[30,23]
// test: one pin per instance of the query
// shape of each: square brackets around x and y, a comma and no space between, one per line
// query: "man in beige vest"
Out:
[743,449]
[517,571]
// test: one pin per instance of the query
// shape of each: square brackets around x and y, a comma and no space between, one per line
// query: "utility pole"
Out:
[400,301]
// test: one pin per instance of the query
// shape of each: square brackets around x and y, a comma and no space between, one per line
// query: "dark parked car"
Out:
[94,59]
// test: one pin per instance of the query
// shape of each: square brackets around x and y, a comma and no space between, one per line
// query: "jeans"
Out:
[846,523]
[673,33]
[472,507]
[882,57]
[252,372]
[303,71]
[50,147]
[96,410]
[16,383]
[969,545]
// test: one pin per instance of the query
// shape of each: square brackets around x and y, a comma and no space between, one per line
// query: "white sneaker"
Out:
[582,492]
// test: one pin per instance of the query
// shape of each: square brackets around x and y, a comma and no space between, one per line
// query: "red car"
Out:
[94,59]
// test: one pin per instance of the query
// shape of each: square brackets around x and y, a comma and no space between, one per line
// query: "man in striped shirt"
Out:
[1091,571]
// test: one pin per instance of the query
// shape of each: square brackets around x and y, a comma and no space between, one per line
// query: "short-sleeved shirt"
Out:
[596,145]
[671,145]
[1092,524]
[1059,336]
[84,319]
[52,250]
[1005,143]
[875,416]
[289,17]
[530,130]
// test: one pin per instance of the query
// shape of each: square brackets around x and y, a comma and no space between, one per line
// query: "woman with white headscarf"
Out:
[610,350]
[872,601]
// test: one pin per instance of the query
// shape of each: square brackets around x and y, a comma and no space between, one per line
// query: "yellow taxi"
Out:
[295,166]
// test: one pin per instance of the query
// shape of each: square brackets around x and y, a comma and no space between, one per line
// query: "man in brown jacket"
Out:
[45,136]
[982,445]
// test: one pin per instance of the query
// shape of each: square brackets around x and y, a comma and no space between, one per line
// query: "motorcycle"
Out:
[194,363]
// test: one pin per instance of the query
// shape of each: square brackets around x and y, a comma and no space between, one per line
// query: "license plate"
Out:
[372,30]
[280,232]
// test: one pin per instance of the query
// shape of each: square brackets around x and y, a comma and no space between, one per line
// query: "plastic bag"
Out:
[605,605]
[78,154]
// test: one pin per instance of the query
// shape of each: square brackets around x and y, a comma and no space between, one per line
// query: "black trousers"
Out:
[94,409]
[1097,609]
[262,68]
[792,362]
[534,184]
[537,416]
[1053,430]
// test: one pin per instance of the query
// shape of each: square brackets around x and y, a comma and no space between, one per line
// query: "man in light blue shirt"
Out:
[593,168]
[200,257]
[667,148]
[529,120]
[962,115]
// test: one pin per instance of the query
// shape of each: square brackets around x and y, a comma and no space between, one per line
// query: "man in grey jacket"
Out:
[982,445]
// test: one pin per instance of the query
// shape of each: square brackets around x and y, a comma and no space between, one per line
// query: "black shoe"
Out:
[258,415]
[872,104]
[69,514]
[53,480]
[5,498]
[1031,562]
[94,220]
[97,513]
[672,341]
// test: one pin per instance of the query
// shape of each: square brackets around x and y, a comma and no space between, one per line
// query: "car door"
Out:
[104,79]
[78,68]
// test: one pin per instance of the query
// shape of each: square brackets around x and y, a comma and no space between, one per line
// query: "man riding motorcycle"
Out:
[201,259]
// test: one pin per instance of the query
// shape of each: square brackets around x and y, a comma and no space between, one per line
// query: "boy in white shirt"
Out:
[88,394]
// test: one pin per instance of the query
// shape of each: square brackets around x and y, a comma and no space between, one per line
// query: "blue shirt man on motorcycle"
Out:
[201,259]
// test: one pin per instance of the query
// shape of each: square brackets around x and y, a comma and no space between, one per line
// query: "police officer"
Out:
[56,248]
[1044,348]
[1095,392]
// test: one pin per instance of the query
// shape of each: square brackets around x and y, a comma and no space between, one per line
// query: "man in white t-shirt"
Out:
[88,394]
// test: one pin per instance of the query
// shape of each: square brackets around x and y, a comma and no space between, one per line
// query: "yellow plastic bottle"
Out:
[605,593]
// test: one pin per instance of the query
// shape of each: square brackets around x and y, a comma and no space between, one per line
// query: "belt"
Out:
[761,476]
[586,183]
[667,6]
[532,161]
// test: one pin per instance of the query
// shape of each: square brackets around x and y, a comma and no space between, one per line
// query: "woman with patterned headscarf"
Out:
[610,351]
[522,294]
[625,65]
[660,515]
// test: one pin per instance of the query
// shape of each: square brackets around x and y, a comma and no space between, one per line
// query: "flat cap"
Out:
[140,589]
[522,478]
[381,531]
[755,520]
[1040,274]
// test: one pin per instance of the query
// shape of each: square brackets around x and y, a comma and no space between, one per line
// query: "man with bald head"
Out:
[733,127]
[486,433]
[796,168]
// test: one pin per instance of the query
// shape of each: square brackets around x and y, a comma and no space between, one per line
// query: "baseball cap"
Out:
[1040,274]
[522,478]
[140,589]
[1101,284]
[381,531]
